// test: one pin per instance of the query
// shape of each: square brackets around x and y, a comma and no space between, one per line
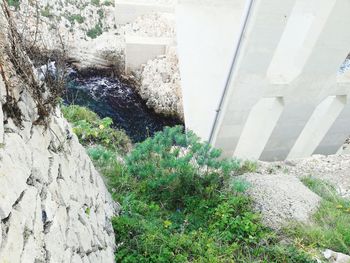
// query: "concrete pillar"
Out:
[324,48]
[138,50]
[207,32]
[249,83]
[284,98]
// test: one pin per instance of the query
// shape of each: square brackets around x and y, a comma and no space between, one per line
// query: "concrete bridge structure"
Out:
[260,78]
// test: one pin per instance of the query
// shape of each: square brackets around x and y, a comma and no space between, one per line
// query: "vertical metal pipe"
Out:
[233,63]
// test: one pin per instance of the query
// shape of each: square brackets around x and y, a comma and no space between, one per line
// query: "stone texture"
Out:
[335,257]
[47,182]
[161,84]
[334,169]
[281,198]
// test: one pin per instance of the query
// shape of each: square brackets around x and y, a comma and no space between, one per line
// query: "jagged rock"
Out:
[281,198]
[335,257]
[160,85]
[334,169]
[46,183]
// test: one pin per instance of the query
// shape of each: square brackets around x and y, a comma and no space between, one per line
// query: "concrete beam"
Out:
[290,50]
[141,49]
[128,11]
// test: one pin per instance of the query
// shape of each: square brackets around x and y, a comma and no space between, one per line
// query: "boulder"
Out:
[281,198]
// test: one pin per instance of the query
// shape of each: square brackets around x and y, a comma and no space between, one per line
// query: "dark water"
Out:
[109,97]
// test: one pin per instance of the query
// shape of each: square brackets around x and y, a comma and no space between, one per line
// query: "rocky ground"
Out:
[54,206]
[281,197]
[86,29]
[279,193]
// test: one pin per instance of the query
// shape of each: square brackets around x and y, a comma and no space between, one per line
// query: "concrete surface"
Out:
[287,65]
[138,50]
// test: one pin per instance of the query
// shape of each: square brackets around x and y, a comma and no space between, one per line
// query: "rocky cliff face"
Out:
[54,206]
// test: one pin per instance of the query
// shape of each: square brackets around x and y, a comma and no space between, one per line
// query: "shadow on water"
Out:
[109,97]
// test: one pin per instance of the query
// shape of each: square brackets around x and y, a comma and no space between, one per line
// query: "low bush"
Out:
[95,31]
[95,2]
[178,205]
[46,12]
[72,18]
[15,3]
[92,130]
[179,200]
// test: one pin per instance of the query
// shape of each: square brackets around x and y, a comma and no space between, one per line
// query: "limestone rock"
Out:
[334,169]
[281,198]
[335,257]
[160,85]
[47,182]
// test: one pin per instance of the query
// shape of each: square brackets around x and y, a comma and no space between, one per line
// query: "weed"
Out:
[91,130]
[95,31]
[15,3]
[330,227]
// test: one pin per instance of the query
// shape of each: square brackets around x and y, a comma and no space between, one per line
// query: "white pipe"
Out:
[243,26]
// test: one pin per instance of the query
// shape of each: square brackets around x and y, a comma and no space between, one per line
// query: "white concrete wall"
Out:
[138,50]
[284,98]
[128,11]
[206,36]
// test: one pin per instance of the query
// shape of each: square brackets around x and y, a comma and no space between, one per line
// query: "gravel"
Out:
[334,169]
[281,198]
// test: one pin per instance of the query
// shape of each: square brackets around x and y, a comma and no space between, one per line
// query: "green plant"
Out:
[100,13]
[248,167]
[95,31]
[108,3]
[330,227]
[179,201]
[46,12]
[95,2]
[15,3]
[75,17]
[91,130]
[178,205]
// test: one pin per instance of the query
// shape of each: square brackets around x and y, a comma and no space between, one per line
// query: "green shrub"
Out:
[95,31]
[46,12]
[95,2]
[248,167]
[172,175]
[91,130]
[330,228]
[108,3]
[179,206]
[75,17]
[100,13]
[14,3]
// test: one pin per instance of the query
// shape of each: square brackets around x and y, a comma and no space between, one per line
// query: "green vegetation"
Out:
[95,2]
[108,3]
[100,13]
[75,17]
[92,130]
[179,201]
[330,228]
[88,211]
[95,31]
[15,3]
[46,12]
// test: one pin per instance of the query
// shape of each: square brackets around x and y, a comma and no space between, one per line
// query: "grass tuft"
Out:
[330,228]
